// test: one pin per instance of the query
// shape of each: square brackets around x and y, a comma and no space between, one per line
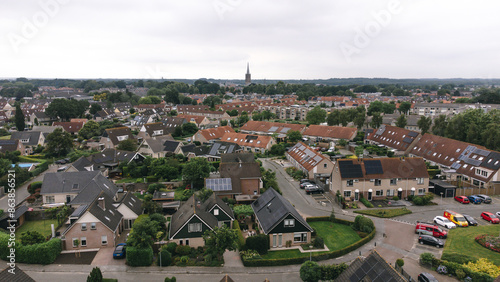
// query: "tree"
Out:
[94,108]
[177,131]
[204,194]
[32,237]
[127,145]
[316,115]
[404,107]
[440,124]
[90,129]
[310,271]
[95,275]
[401,121]
[59,143]
[149,205]
[359,120]
[220,239]
[223,122]
[189,128]
[333,118]
[293,135]
[66,109]
[144,231]
[195,171]
[19,118]
[424,123]
[377,120]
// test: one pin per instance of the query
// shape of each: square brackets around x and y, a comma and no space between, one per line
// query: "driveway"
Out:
[105,257]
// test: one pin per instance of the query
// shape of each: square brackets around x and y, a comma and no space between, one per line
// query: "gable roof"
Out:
[19,276]
[71,127]
[215,133]
[31,136]
[214,200]
[114,133]
[9,145]
[151,128]
[249,140]
[162,144]
[382,168]
[394,137]
[334,132]
[132,202]
[196,118]
[373,266]
[192,207]
[306,156]
[271,127]
[271,208]
[109,216]
[215,149]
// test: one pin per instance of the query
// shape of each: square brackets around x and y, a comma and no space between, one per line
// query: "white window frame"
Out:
[421,191]
[289,222]
[50,199]
[379,192]
[82,240]
[84,226]
[93,226]
[390,192]
[378,182]
[302,237]
[350,183]
[347,193]
[104,239]
[420,180]
[394,181]
[73,241]
[216,211]
[194,227]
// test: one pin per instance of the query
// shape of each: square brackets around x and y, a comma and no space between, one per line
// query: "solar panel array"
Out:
[373,167]
[273,129]
[219,184]
[407,140]
[373,269]
[413,134]
[285,129]
[481,152]
[350,170]
[317,158]
[455,165]
[381,130]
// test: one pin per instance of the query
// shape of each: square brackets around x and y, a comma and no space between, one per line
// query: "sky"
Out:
[293,39]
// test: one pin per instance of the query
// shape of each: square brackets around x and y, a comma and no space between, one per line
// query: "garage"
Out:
[444,188]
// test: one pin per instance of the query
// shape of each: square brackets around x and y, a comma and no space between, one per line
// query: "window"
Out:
[378,182]
[194,227]
[390,192]
[350,183]
[421,191]
[347,193]
[289,222]
[104,240]
[484,173]
[475,182]
[50,199]
[300,237]
[93,226]
[83,241]
[420,180]
[75,245]
[84,226]
[394,181]
[325,165]
[187,242]
[216,211]
[379,193]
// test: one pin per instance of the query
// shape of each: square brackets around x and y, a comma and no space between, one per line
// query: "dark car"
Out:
[312,188]
[429,240]
[470,220]
[475,199]
[304,184]
[120,251]
[486,199]
[62,161]
[426,277]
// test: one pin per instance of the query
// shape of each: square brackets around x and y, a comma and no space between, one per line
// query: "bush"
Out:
[442,269]
[310,271]
[139,256]
[395,198]
[241,239]
[43,253]
[363,224]
[33,186]
[460,274]
[183,250]
[95,275]
[31,238]
[171,247]
[457,258]
[166,257]
[366,203]
[331,272]
[260,243]
[400,262]
[418,201]
[170,279]
[319,243]
[426,258]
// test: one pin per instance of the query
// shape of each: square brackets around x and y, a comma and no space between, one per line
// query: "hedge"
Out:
[139,256]
[43,253]
[452,267]
[366,202]
[316,256]
[332,271]
[457,258]
[40,168]
[241,239]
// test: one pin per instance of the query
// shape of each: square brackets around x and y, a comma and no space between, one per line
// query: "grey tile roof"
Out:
[19,275]
[162,144]
[109,216]
[216,149]
[32,136]
[271,208]
[132,202]
[214,200]
[8,145]
[186,211]
[114,133]
[82,164]
[236,157]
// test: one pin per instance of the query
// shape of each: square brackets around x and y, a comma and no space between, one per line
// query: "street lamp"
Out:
[441,198]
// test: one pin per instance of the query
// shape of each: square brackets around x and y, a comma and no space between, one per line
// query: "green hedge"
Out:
[241,239]
[139,256]
[40,168]
[457,258]
[330,272]
[366,202]
[43,253]
[316,256]
[452,267]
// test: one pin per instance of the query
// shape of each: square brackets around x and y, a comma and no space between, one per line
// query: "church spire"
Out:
[248,77]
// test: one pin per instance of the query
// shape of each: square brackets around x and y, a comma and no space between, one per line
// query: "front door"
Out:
[280,240]
[68,198]
[369,196]
[356,196]
[400,194]
[274,240]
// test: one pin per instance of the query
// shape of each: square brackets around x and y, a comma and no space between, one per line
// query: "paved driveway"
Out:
[105,257]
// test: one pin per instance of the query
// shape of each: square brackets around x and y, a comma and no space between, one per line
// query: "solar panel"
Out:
[373,167]
[413,134]
[302,147]
[318,158]
[309,153]
[473,162]
[231,149]
[381,130]
[350,170]
[455,165]
[213,150]
[407,140]
[285,129]
[273,129]
[219,184]
[481,152]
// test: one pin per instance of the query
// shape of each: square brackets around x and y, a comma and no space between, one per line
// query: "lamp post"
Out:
[441,198]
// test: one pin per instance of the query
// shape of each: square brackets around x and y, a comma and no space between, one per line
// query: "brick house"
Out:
[311,162]
[209,134]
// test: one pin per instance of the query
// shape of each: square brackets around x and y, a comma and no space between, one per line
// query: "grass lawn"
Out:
[129,180]
[138,195]
[5,137]
[336,236]
[385,213]
[461,241]
[42,226]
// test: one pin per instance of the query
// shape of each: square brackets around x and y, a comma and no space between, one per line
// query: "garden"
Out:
[385,213]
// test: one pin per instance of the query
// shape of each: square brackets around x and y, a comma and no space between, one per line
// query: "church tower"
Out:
[248,76]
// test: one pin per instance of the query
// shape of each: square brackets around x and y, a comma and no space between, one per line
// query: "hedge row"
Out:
[40,168]
[316,256]
[452,267]
[139,256]
[43,253]
[241,239]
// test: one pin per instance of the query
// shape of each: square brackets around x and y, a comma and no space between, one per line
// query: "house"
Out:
[41,117]
[12,146]
[97,224]
[112,137]
[209,134]
[371,268]
[200,121]
[278,219]
[269,128]
[75,188]
[18,219]
[29,139]
[213,151]
[18,276]
[70,127]
[399,139]
[329,133]
[129,206]
[377,179]
[193,218]
[159,147]
[311,162]
[104,114]
[156,129]
[248,142]
[106,161]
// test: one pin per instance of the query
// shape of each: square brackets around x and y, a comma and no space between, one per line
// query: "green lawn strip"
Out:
[129,180]
[336,237]
[42,226]
[5,137]
[461,241]
[138,195]
[385,213]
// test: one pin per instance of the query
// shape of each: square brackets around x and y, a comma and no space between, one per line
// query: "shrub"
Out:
[364,224]
[331,272]
[260,243]
[184,259]
[418,201]
[366,203]
[32,237]
[171,247]
[31,199]
[183,250]
[95,275]
[395,198]
[33,186]
[400,262]
[457,258]
[485,266]
[43,253]
[426,258]
[170,279]
[241,239]
[319,243]
[460,274]
[166,257]
[310,271]
[139,256]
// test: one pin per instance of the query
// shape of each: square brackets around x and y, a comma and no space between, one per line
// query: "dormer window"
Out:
[216,211]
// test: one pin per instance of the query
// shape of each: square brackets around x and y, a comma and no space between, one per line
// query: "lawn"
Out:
[336,236]
[42,226]
[461,241]
[385,213]
[7,137]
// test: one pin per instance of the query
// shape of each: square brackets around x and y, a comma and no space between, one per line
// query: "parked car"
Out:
[497,214]
[429,240]
[486,199]
[430,229]
[304,184]
[311,189]
[443,221]
[488,216]
[304,180]
[475,199]
[470,220]
[120,251]
[456,218]
[462,199]
[61,161]
[426,277]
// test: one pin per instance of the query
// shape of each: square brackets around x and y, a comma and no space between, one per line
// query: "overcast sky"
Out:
[280,39]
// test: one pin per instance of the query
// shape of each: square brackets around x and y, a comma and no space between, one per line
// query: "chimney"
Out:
[198,204]
[100,203]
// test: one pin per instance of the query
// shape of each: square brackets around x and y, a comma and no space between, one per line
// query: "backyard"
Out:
[42,226]
[461,241]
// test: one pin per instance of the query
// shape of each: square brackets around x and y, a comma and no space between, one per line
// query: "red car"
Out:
[488,216]
[462,199]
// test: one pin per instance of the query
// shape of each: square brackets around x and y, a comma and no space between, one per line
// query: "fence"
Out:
[405,274]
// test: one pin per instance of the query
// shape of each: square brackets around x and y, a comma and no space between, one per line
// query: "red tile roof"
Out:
[393,137]
[216,133]
[335,132]
[248,140]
